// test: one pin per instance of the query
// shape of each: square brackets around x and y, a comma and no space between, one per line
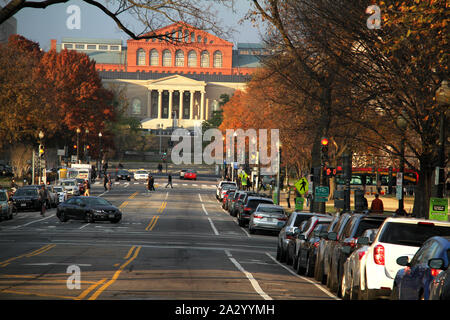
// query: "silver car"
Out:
[267,217]
[70,186]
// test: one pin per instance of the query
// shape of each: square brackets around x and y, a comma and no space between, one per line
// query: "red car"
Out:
[190,174]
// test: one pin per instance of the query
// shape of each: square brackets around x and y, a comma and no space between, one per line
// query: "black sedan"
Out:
[89,209]
[123,175]
[27,198]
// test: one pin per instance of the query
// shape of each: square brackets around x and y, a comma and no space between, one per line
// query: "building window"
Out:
[103,47]
[114,48]
[68,46]
[199,39]
[91,47]
[204,59]
[136,106]
[154,57]
[140,57]
[167,58]
[179,58]
[217,59]
[192,37]
[192,58]
[186,36]
[79,46]
[205,40]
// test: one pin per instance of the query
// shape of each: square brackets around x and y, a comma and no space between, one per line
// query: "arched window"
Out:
[167,58]
[192,37]
[140,57]
[192,58]
[136,106]
[217,59]
[179,58]
[186,36]
[154,57]
[199,39]
[204,59]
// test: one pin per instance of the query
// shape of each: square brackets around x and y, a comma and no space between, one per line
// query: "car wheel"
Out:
[278,257]
[115,220]
[251,230]
[309,272]
[395,293]
[295,263]
[344,289]
[62,217]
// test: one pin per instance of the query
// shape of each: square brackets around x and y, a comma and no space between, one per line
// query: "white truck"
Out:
[80,171]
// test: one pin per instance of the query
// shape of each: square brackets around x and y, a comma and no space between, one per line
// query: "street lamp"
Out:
[278,171]
[78,143]
[99,152]
[443,99]
[86,146]
[41,136]
[402,124]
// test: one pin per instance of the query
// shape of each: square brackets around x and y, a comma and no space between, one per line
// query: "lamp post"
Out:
[78,143]
[99,153]
[443,100]
[278,171]
[86,146]
[41,136]
[402,124]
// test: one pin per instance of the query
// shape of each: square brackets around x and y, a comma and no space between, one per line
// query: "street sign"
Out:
[299,201]
[322,194]
[302,185]
[399,193]
[438,209]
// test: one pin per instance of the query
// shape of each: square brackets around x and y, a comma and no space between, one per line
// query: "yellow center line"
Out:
[33,253]
[88,290]
[116,274]
[152,223]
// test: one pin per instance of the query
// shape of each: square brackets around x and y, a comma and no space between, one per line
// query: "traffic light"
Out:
[164,156]
[324,149]
[41,151]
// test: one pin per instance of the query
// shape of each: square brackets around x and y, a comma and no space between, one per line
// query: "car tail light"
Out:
[426,223]
[351,242]
[435,272]
[257,217]
[378,254]
[316,244]
[361,254]
[247,209]
[282,219]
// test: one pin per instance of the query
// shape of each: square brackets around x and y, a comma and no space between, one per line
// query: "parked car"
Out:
[245,211]
[182,172]
[414,282]
[227,195]
[61,193]
[353,266]
[300,235]
[267,217]
[331,243]
[70,186]
[307,242]
[320,252]
[396,237]
[90,209]
[224,190]
[238,194]
[26,198]
[123,175]
[6,206]
[286,234]
[141,175]
[440,287]
[221,184]
[345,245]
[190,175]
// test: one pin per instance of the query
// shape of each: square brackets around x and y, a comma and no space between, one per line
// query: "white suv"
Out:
[396,237]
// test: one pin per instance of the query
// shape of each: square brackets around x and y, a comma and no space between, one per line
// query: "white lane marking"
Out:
[204,210]
[200,197]
[303,278]
[250,277]
[26,224]
[83,226]
[167,194]
[213,227]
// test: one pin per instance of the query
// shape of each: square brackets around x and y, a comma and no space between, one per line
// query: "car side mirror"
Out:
[436,263]
[363,241]
[403,261]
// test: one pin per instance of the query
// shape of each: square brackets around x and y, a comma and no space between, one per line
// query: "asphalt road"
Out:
[171,244]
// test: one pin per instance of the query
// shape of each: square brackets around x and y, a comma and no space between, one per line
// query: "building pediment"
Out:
[175,82]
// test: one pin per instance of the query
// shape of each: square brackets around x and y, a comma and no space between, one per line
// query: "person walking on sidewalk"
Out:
[377,205]
[152,183]
[169,178]
[288,196]
[105,182]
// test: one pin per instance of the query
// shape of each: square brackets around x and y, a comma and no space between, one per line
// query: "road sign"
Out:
[299,201]
[322,194]
[438,209]
[302,185]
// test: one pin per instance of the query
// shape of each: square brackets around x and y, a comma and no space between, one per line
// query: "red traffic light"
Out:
[87,147]
[74,146]
[324,142]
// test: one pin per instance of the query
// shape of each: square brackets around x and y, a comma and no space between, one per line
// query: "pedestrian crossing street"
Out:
[159,184]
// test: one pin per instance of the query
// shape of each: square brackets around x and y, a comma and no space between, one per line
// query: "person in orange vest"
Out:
[377,205]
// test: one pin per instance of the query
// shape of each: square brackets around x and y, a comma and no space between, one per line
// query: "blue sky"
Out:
[41,25]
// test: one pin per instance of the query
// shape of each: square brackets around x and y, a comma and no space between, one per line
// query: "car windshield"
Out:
[254,203]
[409,234]
[228,186]
[68,183]
[26,192]
[122,172]
[97,202]
[141,172]
[58,189]
[271,210]
[3,196]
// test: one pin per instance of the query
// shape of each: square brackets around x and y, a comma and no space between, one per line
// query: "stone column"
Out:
[180,112]
[149,103]
[170,103]
[159,103]
[202,105]
[191,106]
